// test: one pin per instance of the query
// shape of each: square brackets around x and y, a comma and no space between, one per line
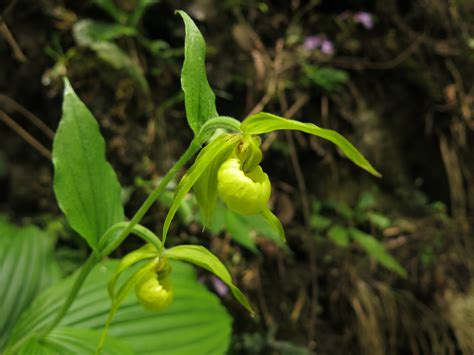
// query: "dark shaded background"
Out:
[407,105]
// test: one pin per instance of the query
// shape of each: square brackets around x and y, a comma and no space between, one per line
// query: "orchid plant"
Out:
[227,166]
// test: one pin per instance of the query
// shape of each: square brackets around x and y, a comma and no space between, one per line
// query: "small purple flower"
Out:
[312,42]
[319,42]
[365,19]
[327,47]
[220,287]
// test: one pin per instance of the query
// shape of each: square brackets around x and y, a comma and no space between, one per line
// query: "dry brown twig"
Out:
[15,106]
[5,32]
[351,63]
[17,52]
[25,135]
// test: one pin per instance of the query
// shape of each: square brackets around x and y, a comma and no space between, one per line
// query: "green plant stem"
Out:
[94,257]
[219,122]
[86,269]
[108,241]
[188,154]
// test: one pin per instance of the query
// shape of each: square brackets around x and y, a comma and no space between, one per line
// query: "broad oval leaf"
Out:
[266,122]
[73,341]
[196,322]
[85,184]
[199,98]
[27,266]
[200,256]
[376,250]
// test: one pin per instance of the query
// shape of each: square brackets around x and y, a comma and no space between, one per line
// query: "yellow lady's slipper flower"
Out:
[243,192]
[155,290]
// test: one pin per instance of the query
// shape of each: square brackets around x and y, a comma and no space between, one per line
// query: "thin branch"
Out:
[267,317]
[7,101]
[297,105]
[273,79]
[25,135]
[306,212]
[17,52]
[8,9]
[392,63]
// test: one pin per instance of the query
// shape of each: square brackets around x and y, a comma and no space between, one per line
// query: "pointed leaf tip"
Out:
[202,257]
[275,223]
[199,99]
[67,86]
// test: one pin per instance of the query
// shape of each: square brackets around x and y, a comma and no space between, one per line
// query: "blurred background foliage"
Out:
[394,77]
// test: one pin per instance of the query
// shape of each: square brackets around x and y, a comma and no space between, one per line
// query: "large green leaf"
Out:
[266,122]
[26,268]
[376,250]
[73,341]
[221,146]
[198,95]
[196,322]
[86,187]
[198,255]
